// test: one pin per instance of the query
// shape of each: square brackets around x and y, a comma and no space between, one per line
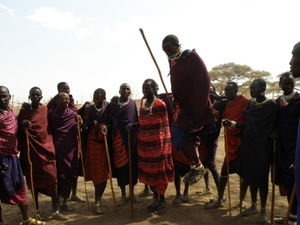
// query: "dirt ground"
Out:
[192,213]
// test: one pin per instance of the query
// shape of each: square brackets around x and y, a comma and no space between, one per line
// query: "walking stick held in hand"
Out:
[273,183]
[31,174]
[157,67]
[109,166]
[227,165]
[82,164]
[130,171]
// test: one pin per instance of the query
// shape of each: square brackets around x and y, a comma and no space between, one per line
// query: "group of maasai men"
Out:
[172,136]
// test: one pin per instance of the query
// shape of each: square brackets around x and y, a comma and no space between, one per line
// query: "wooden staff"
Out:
[157,67]
[30,173]
[291,202]
[241,202]
[109,167]
[82,164]
[227,165]
[130,172]
[273,184]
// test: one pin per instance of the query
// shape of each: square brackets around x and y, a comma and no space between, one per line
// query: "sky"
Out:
[97,44]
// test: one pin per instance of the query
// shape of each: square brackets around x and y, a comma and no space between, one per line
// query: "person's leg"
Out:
[145,192]
[206,180]
[293,212]
[177,183]
[99,190]
[190,151]
[263,193]
[152,206]
[123,199]
[185,196]
[253,208]
[64,190]
[210,162]
[74,196]
[56,206]
[24,211]
[161,203]
[221,189]
[1,218]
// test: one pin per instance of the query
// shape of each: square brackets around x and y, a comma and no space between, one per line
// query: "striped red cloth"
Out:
[154,146]
[8,129]
[96,168]
[120,153]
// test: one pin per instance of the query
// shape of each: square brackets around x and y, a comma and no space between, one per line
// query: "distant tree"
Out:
[242,74]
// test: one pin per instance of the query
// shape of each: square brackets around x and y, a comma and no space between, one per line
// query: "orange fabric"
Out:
[234,111]
[120,153]
[96,168]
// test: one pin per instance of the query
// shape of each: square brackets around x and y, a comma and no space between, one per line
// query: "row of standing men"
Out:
[193,127]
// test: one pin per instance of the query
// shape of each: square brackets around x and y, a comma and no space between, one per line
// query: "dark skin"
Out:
[148,93]
[230,94]
[98,99]
[124,92]
[63,101]
[170,48]
[4,102]
[287,85]
[257,91]
[295,61]
[64,88]
[35,96]
[4,99]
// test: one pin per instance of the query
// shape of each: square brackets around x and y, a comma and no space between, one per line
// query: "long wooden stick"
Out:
[157,67]
[227,165]
[82,164]
[30,173]
[109,168]
[241,202]
[291,202]
[130,172]
[273,184]
[154,60]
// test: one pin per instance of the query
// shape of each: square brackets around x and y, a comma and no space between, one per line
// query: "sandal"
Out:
[177,200]
[75,198]
[32,221]
[160,208]
[185,198]
[145,193]
[98,208]
[250,211]
[122,201]
[194,175]
[214,204]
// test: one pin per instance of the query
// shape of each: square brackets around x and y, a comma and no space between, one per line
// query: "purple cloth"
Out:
[63,126]
[121,117]
[12,179]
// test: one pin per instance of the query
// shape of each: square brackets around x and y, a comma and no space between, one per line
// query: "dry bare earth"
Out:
[192,213]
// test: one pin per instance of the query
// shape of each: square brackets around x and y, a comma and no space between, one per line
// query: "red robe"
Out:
[42,151]
[234,111]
